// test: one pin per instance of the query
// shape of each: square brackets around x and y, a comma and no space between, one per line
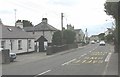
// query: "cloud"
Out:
[5,12]
[63,2]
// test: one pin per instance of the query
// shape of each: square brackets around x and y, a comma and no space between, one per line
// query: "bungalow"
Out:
[15,39]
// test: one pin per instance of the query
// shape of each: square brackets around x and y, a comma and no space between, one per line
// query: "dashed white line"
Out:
[90,51]
[44,72]
[83,54]
[68,62]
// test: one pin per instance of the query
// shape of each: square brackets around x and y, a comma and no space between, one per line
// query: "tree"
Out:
[57,38]
[101,36]
[113,8]
[109,38]
[69,36]
[27,23]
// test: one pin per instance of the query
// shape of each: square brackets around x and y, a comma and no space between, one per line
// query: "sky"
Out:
[81,14]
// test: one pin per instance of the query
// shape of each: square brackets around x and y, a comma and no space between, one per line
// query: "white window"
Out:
[29,44]
[3,44]
[19,44]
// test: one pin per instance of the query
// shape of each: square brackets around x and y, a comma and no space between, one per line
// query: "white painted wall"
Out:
[15,45]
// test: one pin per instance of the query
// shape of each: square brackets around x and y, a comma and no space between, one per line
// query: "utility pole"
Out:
[15,16]
[62,21]
[86,34]
[62,27]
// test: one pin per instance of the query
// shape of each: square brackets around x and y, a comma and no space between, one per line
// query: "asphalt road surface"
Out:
[88,60]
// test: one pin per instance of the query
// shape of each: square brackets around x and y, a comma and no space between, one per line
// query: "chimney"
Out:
[19,24]
[44,20]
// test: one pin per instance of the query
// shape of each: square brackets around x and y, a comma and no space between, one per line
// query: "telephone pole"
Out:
[15,16]
[62,21]
[86,34]
[62,28]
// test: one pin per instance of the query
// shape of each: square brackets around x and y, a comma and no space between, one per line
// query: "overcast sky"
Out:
[80,13]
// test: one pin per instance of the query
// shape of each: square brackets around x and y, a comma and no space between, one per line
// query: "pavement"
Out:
[112,66]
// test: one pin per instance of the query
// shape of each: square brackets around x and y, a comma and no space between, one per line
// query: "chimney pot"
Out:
[44,20]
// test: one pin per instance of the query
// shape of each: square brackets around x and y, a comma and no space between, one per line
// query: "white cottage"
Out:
[15,39]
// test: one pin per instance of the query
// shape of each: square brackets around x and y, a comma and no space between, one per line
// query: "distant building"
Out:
[15,39]
[109,31]
[94,37]
[79,35]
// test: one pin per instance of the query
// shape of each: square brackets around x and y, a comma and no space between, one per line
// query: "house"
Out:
[79,35]
[43,29]
[15,39]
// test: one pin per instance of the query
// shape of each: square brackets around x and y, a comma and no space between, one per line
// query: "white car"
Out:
[102,43]
[12,55]
[93,42]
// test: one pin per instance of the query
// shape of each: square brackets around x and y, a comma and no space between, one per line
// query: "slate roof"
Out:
[12,32]
[44,27]
[40,27]
[28,29]
[42,38]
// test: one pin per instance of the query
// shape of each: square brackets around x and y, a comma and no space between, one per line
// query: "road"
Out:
[88,60]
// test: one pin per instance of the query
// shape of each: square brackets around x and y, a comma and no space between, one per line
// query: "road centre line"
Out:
[108,57]
[68,62]
[90,51]
[43,73]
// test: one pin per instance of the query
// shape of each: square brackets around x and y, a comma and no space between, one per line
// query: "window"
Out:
[19,44]
[3,44]
[9,29]
[29,44]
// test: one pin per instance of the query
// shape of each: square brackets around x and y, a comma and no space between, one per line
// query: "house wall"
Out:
[47,34]
[15,45]
[79,36]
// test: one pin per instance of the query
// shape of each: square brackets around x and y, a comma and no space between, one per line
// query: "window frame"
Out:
[3,44]
[29,44]
[19,44]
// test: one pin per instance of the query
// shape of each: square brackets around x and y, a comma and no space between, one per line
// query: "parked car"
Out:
[11,55]
[102,43]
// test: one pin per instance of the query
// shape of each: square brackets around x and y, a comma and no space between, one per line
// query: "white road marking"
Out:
[89,51]
[84,61]
[68,62]
[83,54]
[108,57]
[78,61]
[44,72]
